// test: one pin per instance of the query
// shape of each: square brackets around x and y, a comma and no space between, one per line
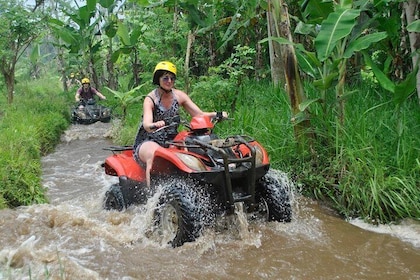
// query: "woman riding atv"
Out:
[86,92]
[160,104]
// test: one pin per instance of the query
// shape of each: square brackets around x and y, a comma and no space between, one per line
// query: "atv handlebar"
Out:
[163,127]
[169,122]
[174,121]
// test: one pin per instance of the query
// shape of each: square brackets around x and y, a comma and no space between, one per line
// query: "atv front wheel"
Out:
[114,199]
[274,196]
[177,215]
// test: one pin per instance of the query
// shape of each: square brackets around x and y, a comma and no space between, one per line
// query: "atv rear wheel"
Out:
[274,195]
[114,199]
[177,215]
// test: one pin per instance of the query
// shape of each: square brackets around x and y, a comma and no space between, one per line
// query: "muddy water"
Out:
[73,238]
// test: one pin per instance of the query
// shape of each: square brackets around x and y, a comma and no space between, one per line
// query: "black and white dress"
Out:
[159,113]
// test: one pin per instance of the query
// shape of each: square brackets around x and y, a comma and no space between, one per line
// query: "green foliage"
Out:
[29,129]
[19,28]
[125,99]
[214,92]
[17,22]
[374,172]
[221,89]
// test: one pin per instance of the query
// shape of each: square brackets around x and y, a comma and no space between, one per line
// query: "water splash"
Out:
[408,230]
[245,234]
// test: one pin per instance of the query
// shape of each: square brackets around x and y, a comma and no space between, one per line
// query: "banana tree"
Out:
[337,37]
[108,11]
[126,98]
[283,56]
[79,35]
[340,37]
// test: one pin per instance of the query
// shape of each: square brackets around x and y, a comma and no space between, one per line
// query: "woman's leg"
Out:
[146,153]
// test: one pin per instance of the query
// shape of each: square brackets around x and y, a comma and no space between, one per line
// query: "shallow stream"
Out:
[74,238]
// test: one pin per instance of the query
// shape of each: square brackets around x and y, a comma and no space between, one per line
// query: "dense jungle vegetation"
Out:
[330,89]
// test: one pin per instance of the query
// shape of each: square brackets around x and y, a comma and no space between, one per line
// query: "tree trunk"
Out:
[191,38]
[258,56]
[10,85]
[112,83]
[411,9]
[300,119]
[342,68]
[61,67]
[135,64]
[60,54]
[93,72]
[276,63]
[8,72]
[211,50]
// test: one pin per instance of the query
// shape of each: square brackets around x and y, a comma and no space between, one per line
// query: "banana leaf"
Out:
[336,27]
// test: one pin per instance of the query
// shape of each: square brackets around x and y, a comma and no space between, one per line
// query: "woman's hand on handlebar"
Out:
[221,115]
[157,125]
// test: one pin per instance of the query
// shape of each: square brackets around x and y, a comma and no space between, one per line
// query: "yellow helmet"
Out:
[85,81]
[163,66]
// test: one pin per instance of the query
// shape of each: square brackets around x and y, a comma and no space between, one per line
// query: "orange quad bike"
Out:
[201,178]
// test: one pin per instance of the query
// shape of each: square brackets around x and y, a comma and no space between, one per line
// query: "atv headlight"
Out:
[259,155]
[106,112]
[191,161]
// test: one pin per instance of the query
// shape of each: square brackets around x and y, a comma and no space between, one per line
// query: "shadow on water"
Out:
[74,238]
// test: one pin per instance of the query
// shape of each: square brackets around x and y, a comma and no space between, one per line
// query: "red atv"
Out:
[202,177]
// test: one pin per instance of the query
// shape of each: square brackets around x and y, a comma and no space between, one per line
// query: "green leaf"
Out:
[279,40]
[414,26]
[55,22]
[305,29]
[115,55]
[67,36]
[135,34]
[305,104]
[123,34]
[299,118]
[143,2]
[106,3]
[407,87]
[363,43]
[35,54]
[91,5]
[383,80]
[126,50]
[326,82]
[308,63]
[316,11]
[111,29]
[84,17]
[337,26]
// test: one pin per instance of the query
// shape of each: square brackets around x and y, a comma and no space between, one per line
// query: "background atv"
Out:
[89,111]
[202,177]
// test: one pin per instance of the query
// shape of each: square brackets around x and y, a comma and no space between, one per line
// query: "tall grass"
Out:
[381,148]
[29,128]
